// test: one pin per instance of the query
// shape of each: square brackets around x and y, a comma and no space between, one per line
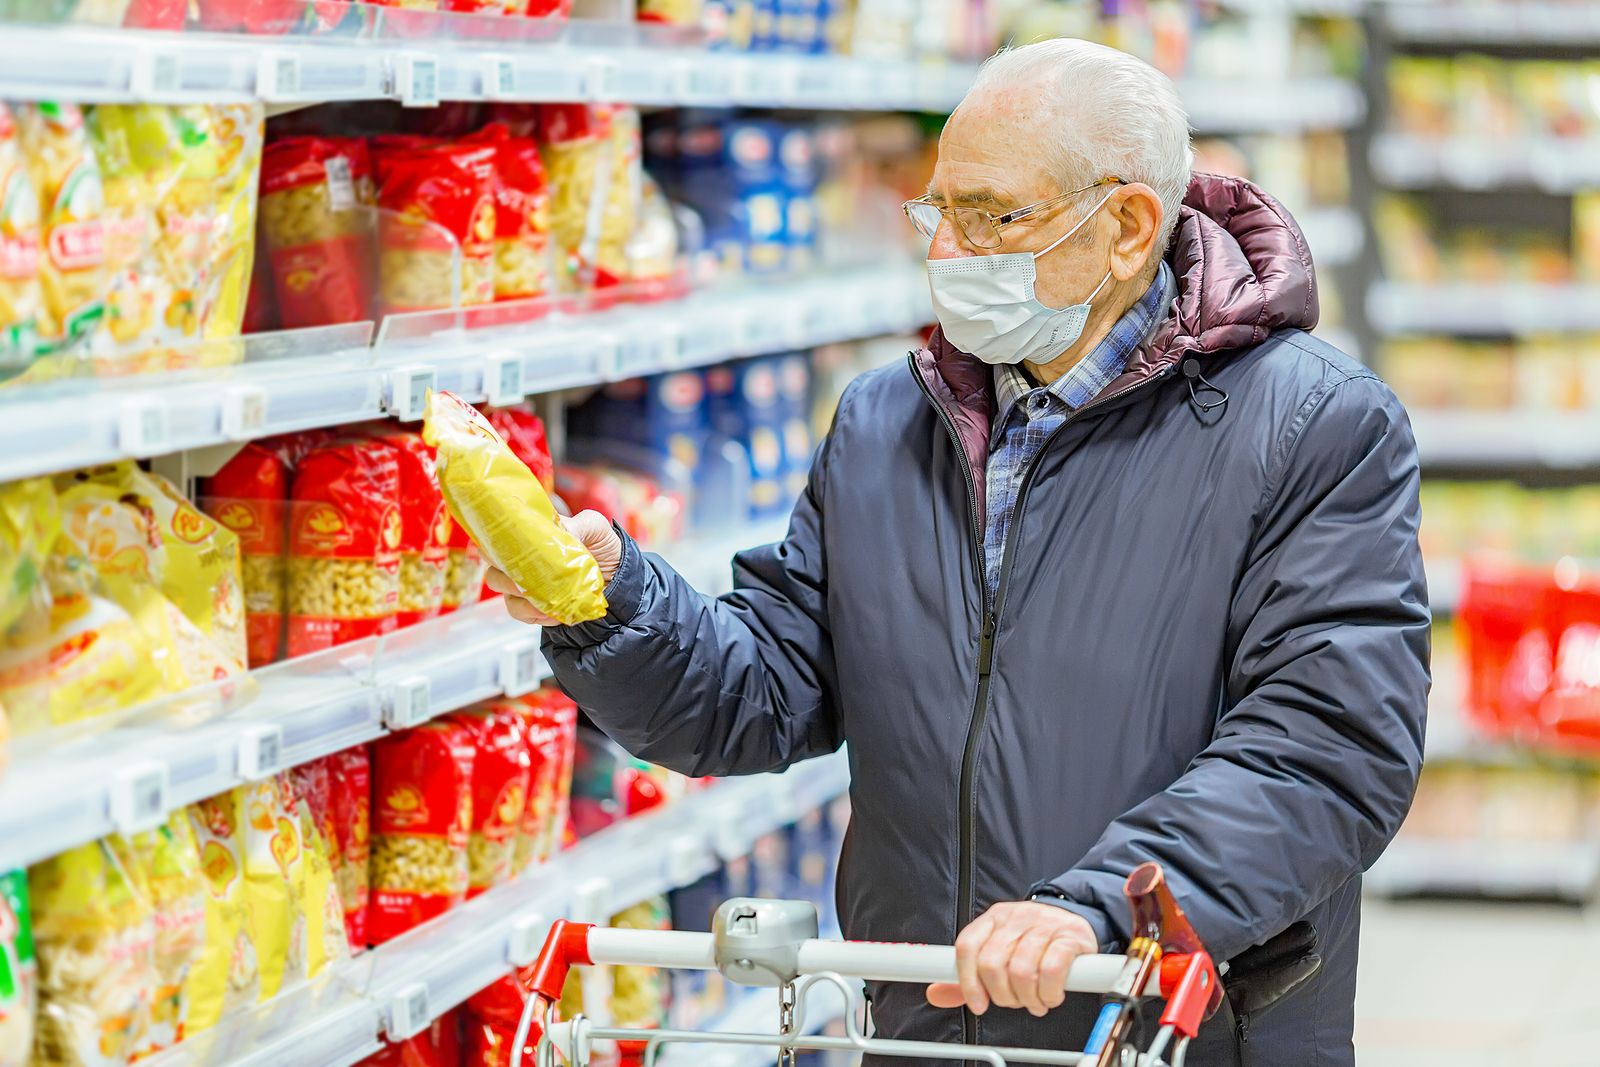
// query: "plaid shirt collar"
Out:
[1100,367]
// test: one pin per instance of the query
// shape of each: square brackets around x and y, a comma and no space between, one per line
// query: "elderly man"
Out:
[1123,566]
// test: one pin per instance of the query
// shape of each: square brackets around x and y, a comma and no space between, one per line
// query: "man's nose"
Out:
[947,242]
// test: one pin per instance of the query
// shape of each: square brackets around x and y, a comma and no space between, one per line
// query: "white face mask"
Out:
[986,305]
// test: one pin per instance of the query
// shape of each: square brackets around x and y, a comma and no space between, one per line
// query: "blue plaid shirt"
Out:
[1026,414]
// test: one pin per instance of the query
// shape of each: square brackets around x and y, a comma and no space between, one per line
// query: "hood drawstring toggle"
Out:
[1191,374]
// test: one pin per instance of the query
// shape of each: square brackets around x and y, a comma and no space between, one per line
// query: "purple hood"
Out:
[1242,268]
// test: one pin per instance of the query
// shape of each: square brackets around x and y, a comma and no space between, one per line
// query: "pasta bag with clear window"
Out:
[499,501]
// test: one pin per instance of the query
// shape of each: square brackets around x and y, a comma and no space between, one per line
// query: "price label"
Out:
[669,347]
[527,938]
[341,184]
[143,429]
[417,80]
[686,861]
[500,78]
[521,667]
[599,80]
[260,752]
[408,392]
[156,73]
[410,703]
[408,1012]
[139,796]
[708,81]
[816,81]
[502,378]
[591,901]
[607,357]
[244,412]
[764,331]
[278,75]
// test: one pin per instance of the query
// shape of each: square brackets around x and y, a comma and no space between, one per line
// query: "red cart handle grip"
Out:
[1188,981]
[566,946]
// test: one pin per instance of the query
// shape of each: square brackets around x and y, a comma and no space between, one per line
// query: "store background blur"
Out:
[1441,156]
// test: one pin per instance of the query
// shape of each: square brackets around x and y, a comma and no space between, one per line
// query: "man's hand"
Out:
[590,527]
[1016,955]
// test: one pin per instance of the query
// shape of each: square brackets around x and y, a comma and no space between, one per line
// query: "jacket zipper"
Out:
[967,797]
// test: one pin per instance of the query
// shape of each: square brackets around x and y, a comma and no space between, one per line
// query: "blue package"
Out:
[664,414]
[797,161]
[751,147]
[764,26]
[743,404]
[707,185]
[794,403]
[799,25]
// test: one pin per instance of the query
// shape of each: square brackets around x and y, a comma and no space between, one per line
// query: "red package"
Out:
[522,215]
[260,308]
[436,227]
[350,796]
[464,569]
[424,530]
[550,722]
[270,16]
[500,773]
[549,9]
[249,496]
[316,219]
[524,433]
[437,1046]
[422,813]
[156,14]
[519,120]
[344,545]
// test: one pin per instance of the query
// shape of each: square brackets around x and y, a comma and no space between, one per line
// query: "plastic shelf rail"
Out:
[1555,165]
[1507,440]
[1463,310]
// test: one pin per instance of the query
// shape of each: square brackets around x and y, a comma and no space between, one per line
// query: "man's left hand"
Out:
[1016,955]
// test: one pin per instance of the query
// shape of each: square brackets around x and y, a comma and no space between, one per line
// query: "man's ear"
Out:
[1135,211]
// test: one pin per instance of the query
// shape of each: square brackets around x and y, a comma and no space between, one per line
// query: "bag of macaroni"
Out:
[344,545]
[421,819]
[436,227]
[316,217]
[499,792]
[250,496]
[224,977]
[550,722]
[424,529]
[350,778]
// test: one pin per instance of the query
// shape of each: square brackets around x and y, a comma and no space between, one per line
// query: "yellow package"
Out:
[21,245]
[66,176]
[499,501]
[271,857]
[320,902]
[224,976]
[94,934]
[168,861]
[239,130]
[30,519]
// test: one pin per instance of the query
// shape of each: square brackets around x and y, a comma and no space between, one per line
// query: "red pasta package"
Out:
[550,722]
[522,215]
[500,773]
[464,568]
[525,435]
[250,496]
[436,227]
[437,1046]
[422,815]
[350,795]
[316,217]
[344,545]
[492,1015]
[424,529]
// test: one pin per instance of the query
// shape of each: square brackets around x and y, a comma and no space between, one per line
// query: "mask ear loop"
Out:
[1053,245]
[1191,372]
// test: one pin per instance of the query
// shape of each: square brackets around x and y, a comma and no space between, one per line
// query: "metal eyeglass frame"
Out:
[997,221]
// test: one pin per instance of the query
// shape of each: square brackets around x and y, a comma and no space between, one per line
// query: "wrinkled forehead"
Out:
[992,152]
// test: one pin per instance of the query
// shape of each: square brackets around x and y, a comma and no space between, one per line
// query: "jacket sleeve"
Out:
[1315,756]
[714,686]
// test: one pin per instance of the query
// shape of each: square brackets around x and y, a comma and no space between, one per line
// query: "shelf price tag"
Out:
[416,80]
[139,796]
[410,702]
[521,667]
[408,1012]
[708,81]
[764,331]
[502,378]
[599,80]
[244,412]
[156,72]
[499,78]
[142,430]
[527,938]
[591,901]
[408,392]
[669,346]
[278,75]
[260,751]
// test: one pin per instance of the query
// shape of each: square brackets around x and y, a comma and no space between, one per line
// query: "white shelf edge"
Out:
[1507,439]
[1556,165]
[57,798]
[1506,23]
[1565,870]
[1467,310]
[1335,234]
[1272,105]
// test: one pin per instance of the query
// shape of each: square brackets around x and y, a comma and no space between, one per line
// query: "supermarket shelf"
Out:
[1521,22]
[1555,165]
[755,1012]
[1508,439]
[1483,310]
[1444,587]
[300,379]
[1245,106]
[67,788]
[1412,866]
[1334,234]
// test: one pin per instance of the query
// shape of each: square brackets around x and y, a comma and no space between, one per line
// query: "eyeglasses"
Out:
[982,229]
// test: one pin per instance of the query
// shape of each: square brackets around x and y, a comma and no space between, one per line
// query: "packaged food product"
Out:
[437,1046]
[591,154]
[317,220]
[492,1015]
[168,862]
[30,519]
[502,505]
[238,130]
[422,814]
[94,934]
[272,873]
[318,901]
[344,545]
[522,215]
[550,724]
[424,529]
[21,244]
[350,775]
[66,177]
[525,435]
[670,12]
[436,227]
[225,976]
[18,971]
[499,792]
[639,994]
[250,496]
[464,568]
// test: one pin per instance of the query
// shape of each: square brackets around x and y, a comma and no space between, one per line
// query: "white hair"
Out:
[1110,115]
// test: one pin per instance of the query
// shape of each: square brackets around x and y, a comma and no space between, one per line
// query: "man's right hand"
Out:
[595,532]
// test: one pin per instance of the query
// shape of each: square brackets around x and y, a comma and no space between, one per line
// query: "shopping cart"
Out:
[774,944]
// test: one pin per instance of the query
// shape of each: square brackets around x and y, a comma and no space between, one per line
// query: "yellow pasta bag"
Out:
[20,248]
[30,519]
[167,865]
[499,501]
[320,903]
[271,860]
[239,130]
[224,975]
[130,145]
[94,933]
[66,176]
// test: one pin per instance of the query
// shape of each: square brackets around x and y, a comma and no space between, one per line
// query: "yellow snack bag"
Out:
[21,245]
[66,176]
[224,975]
[499,501]
[168,862]
[94,933]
